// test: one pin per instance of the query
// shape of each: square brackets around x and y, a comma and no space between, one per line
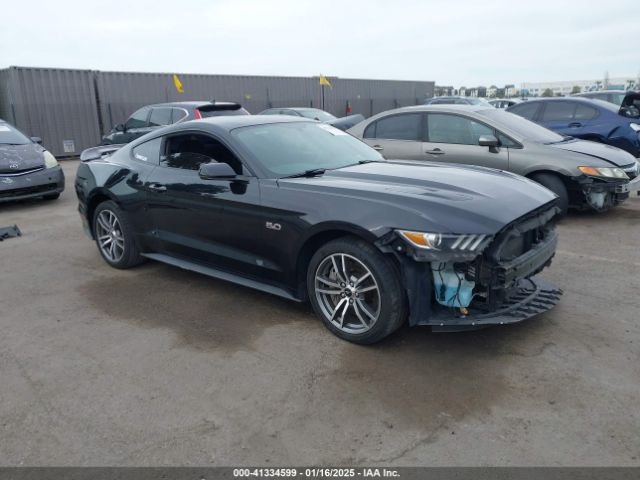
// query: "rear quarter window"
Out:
[525,110]
[148,152]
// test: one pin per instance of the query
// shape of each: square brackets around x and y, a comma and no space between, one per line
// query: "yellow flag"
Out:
[177,83]
[324,81]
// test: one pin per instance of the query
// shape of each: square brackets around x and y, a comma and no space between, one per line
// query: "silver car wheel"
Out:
[109,235]
[347,293]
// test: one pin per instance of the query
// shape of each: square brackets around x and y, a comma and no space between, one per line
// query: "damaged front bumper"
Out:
[497,287]
[42,181]
[601,195]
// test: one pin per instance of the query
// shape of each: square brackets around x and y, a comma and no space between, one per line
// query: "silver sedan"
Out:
[583,174]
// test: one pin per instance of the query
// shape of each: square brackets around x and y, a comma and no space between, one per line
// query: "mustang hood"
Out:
[17,158]
[430,196]
[609,154]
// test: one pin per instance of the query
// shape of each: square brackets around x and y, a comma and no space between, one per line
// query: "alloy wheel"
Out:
[347,293]
[109,235]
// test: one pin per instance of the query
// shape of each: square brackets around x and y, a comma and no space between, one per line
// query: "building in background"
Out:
[567,87]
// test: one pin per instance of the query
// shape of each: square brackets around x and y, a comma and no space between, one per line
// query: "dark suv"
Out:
[151,117]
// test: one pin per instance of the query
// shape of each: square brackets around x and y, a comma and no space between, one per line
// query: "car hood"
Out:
[16,158]
[430,196]
[612,155]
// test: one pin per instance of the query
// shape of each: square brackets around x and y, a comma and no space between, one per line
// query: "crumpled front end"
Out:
[496,283]
[601,195]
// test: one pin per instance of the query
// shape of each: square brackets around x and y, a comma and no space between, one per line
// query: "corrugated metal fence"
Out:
[72,109]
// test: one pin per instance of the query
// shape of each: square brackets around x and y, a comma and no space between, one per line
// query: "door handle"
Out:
[575,124]
[156,187]
[435,151]
[379,148]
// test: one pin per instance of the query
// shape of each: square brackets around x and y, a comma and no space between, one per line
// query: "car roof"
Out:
[443,107]
[584,100]
[295,109]
[600,91]
[192,103]
[231,122]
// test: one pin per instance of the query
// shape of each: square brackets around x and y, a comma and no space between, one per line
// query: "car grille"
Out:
[14,173]
[19,192]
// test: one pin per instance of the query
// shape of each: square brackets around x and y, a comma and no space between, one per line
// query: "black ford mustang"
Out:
[305,211]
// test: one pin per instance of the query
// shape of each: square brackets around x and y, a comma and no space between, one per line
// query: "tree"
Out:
[576,89]
[547,92]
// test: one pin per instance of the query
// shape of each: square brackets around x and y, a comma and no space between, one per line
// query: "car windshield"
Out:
[478,101]
[11,136]
[292,148]
[617,98]
[523,127]
[315,114]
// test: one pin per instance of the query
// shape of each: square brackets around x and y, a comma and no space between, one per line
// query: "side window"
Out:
[558,111]
[526,110]
[148,152]
[177,114]
[189,151]
[585,112]
[138,119]
[443,128]
[405,126]
[506,141]
[370,131]
[160,117]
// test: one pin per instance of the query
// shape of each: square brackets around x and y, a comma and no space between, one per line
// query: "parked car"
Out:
[457,101]
[617,97]
[305,211]
[151,117]
[343,123]
[584,118]
[505,102]
[582,174]
[27,169]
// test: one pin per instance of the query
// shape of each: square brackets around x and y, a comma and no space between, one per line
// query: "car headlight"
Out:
[610,172]
[439,242]
[49,160]
[635,127]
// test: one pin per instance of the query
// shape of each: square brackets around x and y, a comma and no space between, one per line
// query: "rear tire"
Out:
[557,186]
[356,290]
[114,236]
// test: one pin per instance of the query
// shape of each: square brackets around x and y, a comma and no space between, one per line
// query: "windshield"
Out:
[526,129]
[315,114]
[478,101]
[11,136]
[291,148]
[617,98]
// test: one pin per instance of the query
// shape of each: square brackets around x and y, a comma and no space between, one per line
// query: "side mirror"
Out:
[488,141]
[36,140]
[119,127]
[216,170]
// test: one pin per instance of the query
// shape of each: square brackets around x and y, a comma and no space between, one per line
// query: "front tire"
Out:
[557,186]
[356,290]
[114,236]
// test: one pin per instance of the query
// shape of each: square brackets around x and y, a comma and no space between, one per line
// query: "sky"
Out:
[453,42]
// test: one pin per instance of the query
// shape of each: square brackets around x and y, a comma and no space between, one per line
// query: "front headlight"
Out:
[49,160]
[609,172]
[440,242]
